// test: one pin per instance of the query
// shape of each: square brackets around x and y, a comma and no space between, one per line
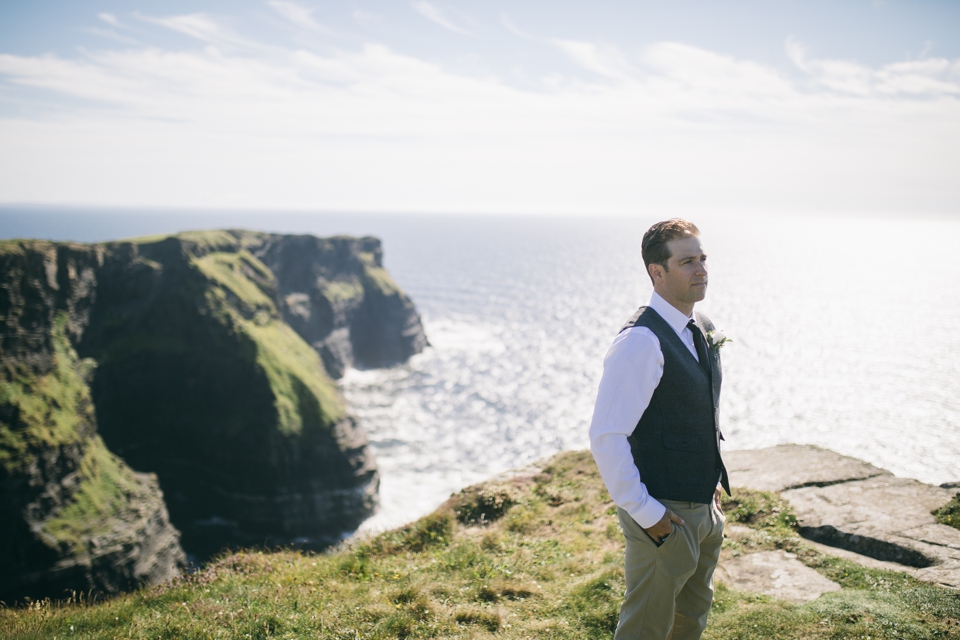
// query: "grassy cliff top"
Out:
[211,240]
[238,288]
[538,556]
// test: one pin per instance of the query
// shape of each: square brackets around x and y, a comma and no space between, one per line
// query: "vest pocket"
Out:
[685,443]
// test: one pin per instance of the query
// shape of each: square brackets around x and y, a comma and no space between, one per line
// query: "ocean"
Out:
[844,333]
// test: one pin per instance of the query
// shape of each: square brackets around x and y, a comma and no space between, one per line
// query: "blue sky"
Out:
[533,107]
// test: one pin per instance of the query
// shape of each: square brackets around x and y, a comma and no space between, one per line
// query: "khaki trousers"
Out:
[670,587]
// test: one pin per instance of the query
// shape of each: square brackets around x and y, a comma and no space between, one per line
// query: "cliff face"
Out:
[199,379]
[74,516]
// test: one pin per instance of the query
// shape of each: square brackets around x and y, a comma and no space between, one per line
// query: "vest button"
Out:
[684,445]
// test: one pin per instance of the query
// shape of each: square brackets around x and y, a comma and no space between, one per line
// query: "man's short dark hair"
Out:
[654,247]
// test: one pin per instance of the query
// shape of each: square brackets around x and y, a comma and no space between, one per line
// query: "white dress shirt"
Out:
[632,370]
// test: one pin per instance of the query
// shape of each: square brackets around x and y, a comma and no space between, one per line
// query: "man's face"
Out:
[685,281]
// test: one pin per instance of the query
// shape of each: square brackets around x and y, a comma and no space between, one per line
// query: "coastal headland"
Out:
[176,393]
[537,553]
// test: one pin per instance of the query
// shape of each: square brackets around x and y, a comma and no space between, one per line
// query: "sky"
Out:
[544,107]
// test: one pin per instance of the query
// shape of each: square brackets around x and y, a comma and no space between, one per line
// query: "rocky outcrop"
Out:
[190,371]
[845,503]
[74,516]
[335,293]
[778,574]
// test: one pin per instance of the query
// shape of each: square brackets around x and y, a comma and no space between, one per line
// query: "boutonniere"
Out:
[716,339]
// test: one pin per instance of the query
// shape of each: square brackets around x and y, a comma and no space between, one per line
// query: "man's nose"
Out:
[702,267]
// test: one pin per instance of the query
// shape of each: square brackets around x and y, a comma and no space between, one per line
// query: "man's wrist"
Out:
[651,514]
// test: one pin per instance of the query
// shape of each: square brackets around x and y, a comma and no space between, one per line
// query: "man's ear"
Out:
[656,272]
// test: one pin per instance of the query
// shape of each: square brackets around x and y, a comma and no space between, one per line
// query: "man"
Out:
[655,437]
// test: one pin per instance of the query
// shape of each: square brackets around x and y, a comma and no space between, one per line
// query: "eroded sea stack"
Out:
[201,360]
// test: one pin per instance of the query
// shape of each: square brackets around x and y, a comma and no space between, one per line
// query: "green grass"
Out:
[339,290]
[772,523]
[538,557]
[239,283]
[296,375]
[107,487]
[17,246]
[55,410]
[240,273]
[203,242]
[949,514]
[873,603]
[48,410]
[376,276]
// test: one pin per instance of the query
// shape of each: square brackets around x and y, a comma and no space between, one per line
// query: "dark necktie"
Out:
[701,346]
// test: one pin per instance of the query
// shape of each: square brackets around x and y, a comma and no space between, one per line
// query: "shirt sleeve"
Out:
[632,370]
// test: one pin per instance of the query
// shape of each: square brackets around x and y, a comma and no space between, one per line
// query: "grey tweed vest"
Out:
[676,443]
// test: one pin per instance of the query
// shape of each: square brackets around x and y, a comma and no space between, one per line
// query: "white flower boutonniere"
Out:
[716,339]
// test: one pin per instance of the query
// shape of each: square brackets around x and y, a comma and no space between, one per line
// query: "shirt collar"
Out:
[673,316]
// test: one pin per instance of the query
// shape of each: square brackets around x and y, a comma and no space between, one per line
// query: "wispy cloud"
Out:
[297,14]
[927,77]
[110,19]
[366,17]
[671,125]
[796,53]
[430,12]
[111,34]
[513,28]
[605,60]
[201,27]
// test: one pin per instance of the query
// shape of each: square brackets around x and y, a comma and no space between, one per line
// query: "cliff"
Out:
[75,517]
[176,351]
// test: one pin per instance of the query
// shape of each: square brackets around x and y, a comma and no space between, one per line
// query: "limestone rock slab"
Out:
[790,466]
[774,573]
[883,517]
[936,534]
[852,505]
[885,503]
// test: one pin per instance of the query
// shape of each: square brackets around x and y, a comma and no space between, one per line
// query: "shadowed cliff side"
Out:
[201,381]
[74,516]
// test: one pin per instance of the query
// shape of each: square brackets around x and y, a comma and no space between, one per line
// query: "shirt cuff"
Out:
[650,514]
